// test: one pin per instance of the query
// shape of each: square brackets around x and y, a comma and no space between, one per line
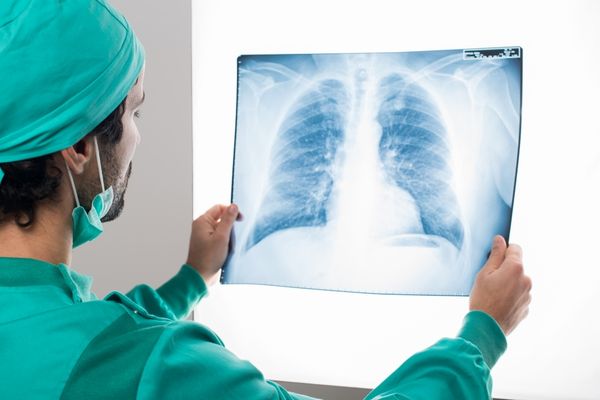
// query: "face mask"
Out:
[87,225]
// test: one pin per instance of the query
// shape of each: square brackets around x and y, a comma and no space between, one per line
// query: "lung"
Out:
[415,153]
[303,155]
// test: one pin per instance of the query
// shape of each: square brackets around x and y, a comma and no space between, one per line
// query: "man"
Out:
[71,78]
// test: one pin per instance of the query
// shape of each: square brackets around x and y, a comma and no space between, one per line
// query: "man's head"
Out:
[83,78]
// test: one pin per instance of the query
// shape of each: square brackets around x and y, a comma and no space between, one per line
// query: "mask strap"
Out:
[99,164]
[99,173]
[72,184]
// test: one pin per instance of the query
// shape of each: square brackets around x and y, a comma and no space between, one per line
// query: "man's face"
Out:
[117,159]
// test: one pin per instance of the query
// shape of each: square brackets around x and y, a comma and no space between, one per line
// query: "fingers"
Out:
[498,252]
[513,262]
[514,251]
[228,217]
[521,311]
[216,211]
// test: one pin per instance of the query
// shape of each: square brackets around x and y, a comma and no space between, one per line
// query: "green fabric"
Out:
[65,66]
[133,346]
[175,292]
[451,368]
[117,356]
[485,333]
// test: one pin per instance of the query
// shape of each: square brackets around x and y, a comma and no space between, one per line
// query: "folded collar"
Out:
[31,272]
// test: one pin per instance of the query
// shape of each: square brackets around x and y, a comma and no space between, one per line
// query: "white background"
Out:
[355,339]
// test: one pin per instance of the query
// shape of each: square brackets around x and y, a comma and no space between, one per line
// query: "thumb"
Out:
[227,220]
[497,254]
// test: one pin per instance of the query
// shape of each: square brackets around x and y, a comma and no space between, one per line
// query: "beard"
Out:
[119,189]
[112,177]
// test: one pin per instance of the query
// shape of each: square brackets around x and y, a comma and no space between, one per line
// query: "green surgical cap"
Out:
[65,65]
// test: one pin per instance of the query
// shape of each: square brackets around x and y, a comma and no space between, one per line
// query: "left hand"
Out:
[209,241]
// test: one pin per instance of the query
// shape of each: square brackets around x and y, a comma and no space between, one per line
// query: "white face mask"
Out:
[87,225]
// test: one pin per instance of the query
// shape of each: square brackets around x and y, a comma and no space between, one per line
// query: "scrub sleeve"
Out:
[189,361]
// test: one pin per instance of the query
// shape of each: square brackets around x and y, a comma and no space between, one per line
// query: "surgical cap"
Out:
[65,65]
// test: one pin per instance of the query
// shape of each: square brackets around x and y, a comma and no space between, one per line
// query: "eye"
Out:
[137,114]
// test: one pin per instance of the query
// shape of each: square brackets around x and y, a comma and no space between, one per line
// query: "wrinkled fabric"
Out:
[135,346]
[65,66]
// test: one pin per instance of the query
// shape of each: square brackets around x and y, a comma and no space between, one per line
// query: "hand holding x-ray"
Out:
[501,288]
[209,240]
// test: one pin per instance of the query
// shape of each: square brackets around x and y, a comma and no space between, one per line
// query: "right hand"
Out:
[209,241]
[501,288]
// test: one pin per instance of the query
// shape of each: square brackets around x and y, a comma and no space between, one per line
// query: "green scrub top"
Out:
[59,341]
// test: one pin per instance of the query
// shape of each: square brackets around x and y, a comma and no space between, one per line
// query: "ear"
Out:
[79,155]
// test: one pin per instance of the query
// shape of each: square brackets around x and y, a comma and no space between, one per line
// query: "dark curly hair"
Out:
[28,182]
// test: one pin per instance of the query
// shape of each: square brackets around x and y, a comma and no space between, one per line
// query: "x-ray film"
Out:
[378,173]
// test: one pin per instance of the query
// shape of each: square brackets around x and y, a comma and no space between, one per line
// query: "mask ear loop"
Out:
[72,183]
[99,173]
[99,164]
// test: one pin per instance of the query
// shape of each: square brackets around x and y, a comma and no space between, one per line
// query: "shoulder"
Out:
[133,345]
[119,353]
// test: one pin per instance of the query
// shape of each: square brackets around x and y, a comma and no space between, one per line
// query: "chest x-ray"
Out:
[379,173]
